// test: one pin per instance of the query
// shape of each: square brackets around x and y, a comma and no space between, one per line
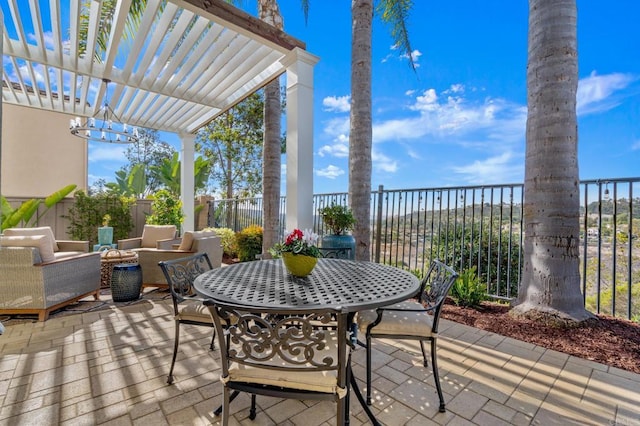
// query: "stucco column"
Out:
[299,161]
[187,185]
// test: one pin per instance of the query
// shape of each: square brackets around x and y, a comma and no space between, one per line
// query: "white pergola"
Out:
[185,64]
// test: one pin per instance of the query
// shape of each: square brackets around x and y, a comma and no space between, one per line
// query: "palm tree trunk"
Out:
[360,136]
[550,283]
[269,12]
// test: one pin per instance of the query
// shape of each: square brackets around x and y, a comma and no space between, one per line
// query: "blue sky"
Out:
[460,118]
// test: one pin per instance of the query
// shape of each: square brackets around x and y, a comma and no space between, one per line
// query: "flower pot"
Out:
[299,265]
[105,235]
[340,241]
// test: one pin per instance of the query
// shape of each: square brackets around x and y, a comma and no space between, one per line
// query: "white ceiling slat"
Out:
[175,35]
[188,47]
[154,41]
[74,21]
[36,20]
[116,35]
[214,52]
[214,69]
[12,92]
[92,36]
[182,68]
[197,56]
[17,22]
[54,10]
[148,16]
[237,65]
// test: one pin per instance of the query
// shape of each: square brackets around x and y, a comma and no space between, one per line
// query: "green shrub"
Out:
[249,242]
[227,239]
[467,290]
[88,212]
[166,209]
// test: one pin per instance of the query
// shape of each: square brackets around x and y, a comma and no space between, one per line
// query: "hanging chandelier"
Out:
[104,126]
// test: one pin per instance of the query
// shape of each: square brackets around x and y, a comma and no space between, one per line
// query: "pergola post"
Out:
[187,185]
[299,162]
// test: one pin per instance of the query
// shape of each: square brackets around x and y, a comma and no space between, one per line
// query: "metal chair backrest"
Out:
[281,339]
[434,288]
[335,252]
[180,274]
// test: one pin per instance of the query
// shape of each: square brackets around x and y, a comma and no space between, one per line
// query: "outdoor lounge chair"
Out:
[187,307]
[413,320]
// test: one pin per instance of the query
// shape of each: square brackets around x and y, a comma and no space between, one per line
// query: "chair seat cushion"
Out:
[194,311]
[406,323]
[290,377]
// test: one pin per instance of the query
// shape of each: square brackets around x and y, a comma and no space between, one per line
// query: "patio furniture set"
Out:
[292,337]
[41,274]
[278,335]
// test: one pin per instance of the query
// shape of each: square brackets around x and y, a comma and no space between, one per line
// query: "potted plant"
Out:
[339,220]
[299,252]
[105,232]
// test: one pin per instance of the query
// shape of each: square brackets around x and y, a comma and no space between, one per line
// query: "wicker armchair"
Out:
[30,286]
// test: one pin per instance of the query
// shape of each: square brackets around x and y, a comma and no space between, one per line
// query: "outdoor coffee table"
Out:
[334,283]
[110,258]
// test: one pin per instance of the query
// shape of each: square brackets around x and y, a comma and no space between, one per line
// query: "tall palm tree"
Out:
[551,278]
[269,12]
[394,13]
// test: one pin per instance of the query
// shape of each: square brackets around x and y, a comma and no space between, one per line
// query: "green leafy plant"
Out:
[227,239]
[24,214]
[298,242]
[339,219]
[166,209]
[249,243]
[89,212]
[467,290]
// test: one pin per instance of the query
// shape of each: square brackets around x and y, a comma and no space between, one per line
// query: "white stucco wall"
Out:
[39,155]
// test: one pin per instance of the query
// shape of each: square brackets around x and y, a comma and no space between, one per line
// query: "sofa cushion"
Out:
[41,242]
[189,236]
[152,233]
[42,230]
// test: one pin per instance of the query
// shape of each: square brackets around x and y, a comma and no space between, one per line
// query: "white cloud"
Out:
[381,162]
[501,168]
[107,152]
[597,93]
[336,103]
[330,172]
[453,117]
[340,150]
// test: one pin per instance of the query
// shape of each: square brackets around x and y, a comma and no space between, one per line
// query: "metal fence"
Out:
[481,227]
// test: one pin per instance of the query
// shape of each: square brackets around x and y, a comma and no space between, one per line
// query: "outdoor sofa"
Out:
[39,274]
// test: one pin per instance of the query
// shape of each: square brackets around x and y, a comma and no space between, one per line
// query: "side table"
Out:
[126,282]
[110,258]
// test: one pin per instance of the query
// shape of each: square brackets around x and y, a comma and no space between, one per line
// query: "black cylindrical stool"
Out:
[126,282]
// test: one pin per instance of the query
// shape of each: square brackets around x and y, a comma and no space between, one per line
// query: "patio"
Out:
[110,366]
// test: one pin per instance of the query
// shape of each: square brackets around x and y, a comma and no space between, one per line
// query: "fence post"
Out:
[378,233]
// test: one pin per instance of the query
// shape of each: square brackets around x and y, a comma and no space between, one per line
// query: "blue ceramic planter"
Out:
[340,241]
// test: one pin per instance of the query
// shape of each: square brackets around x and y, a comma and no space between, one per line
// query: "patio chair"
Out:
[412,320]
[187,307]
[282,353]
[335,252]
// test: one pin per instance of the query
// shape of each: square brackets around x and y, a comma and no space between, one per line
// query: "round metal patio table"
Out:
[334,283]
